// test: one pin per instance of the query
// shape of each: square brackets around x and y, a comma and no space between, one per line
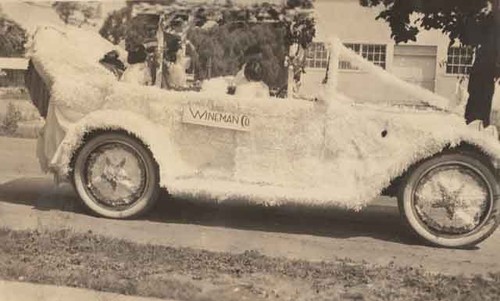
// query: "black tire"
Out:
[116,176]
[477,175]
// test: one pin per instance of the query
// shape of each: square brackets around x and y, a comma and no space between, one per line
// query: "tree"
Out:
[65,9]
[472,22]
[121,25]
[114,27]
[221,50]
[12,38]
[77,12]
[299,3]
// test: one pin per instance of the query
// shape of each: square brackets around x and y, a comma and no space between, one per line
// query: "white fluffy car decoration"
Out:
[272,151]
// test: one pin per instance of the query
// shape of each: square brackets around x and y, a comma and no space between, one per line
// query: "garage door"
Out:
[416,64]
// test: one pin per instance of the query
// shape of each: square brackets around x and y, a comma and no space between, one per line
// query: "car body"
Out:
[325,152]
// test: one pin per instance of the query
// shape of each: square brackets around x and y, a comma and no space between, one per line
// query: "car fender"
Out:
[152,135]
[480,142]
[368,148]
[464,139]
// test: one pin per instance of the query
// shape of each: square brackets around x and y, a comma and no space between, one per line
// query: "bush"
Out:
[12,38]
[221,50]
[11,120]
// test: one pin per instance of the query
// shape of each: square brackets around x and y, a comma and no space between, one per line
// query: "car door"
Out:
[367,146]
[205,136]
[283,143]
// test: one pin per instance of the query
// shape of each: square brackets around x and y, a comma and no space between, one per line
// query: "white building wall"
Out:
[352,23]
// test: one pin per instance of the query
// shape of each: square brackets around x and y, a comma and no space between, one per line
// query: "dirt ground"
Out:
[100,263]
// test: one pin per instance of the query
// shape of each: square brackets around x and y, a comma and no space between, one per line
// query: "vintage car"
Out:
[119,144]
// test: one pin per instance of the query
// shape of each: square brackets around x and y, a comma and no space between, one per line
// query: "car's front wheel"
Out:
[116,176]
[450,200]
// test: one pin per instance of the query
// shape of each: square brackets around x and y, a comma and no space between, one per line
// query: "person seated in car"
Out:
[138,71]
[251,85]
[252,52]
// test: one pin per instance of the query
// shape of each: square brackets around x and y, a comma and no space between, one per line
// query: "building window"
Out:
[317,56]
[375,53]
[459,60]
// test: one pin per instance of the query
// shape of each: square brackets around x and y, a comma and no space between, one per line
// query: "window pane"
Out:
[317,56]
[459,60]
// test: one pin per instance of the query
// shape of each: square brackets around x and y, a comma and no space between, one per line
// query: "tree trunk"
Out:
[481,88]
[482,80]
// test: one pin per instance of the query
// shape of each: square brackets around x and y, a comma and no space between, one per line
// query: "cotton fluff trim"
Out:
[330,152]
[67,59]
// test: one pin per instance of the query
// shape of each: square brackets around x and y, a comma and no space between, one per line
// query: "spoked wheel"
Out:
[116,176]
[450,200]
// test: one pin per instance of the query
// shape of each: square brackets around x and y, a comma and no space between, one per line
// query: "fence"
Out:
[12,71]
[12,78]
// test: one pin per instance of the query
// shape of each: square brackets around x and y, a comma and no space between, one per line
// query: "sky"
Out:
[30,15]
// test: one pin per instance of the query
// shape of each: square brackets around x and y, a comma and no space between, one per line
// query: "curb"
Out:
[24,291]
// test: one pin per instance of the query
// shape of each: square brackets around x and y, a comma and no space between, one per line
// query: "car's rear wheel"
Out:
[450,200]
[116,176]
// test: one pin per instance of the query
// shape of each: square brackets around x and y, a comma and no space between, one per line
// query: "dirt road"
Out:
[29,200]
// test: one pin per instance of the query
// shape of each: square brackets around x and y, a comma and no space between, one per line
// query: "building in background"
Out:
[429,62]
[12,71]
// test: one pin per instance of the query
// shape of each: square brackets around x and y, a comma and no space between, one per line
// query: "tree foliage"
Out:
[465,20]
[121,25]
[221,50]
[68,9]
[12,38]
[65,9]
[300,4]
[114,28]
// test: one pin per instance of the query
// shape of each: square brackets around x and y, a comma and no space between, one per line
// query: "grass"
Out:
[105,264]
